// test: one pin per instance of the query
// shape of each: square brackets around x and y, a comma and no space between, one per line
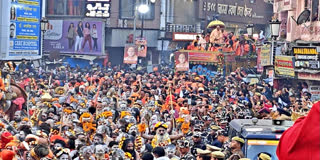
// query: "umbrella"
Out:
[215,23]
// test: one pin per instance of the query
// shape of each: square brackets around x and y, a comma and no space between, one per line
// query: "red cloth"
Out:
[6,137]
[19,101]
[302,140]
[7,154]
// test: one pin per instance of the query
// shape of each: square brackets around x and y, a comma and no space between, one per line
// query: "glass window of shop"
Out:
[127,9]
[65,7]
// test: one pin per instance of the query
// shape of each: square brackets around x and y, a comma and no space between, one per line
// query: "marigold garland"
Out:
[122,141]
[105,114]
[128,155]
[87,126]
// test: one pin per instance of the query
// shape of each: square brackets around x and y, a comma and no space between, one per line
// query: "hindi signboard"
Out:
[284,66]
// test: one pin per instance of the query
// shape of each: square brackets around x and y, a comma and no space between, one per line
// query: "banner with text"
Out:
[203,57]
[265,55]
[24,28]
[284,66]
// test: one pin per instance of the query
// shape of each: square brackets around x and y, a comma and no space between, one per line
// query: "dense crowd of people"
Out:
[119,113]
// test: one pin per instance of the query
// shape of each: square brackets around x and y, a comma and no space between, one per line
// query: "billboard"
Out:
[74,37]
[130,54]
[24,29]
[182,61]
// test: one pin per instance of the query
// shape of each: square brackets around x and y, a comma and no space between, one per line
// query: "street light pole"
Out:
[143,9]
[44,27]
[142,24]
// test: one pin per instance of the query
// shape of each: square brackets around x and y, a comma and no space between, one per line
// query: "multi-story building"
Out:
[300,32]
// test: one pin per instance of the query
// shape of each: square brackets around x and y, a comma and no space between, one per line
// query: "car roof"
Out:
[263,129]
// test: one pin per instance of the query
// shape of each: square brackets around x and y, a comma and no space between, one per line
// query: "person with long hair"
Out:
[79,36]
[128,148]
[87,36]
[13,13]
[71,35]
[94,35]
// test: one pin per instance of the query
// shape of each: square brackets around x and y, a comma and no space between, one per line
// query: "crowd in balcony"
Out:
[219,40]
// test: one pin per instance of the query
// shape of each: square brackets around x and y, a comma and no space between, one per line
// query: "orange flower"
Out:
[124,113]
[142,127]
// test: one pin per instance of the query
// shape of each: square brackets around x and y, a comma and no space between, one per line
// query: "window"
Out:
[315,10]
[65,7]
[127,9]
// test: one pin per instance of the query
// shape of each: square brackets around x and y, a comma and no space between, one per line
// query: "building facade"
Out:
[300,40]
[168,26]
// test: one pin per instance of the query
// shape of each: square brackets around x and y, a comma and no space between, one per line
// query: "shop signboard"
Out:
[98,8]
[25,29]
[203,57]
[306,58]
[315,93]
[284,66]
[265,55]
[304,50]
[309,76]
[75,37]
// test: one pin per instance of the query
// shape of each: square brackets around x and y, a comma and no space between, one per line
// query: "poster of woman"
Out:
[75,37]
[182,61]
[130,55]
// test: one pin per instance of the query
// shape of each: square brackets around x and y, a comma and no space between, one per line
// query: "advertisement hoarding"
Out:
[74,37]
[24,36]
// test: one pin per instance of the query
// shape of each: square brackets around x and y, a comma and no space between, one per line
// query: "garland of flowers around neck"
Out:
[155,141]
